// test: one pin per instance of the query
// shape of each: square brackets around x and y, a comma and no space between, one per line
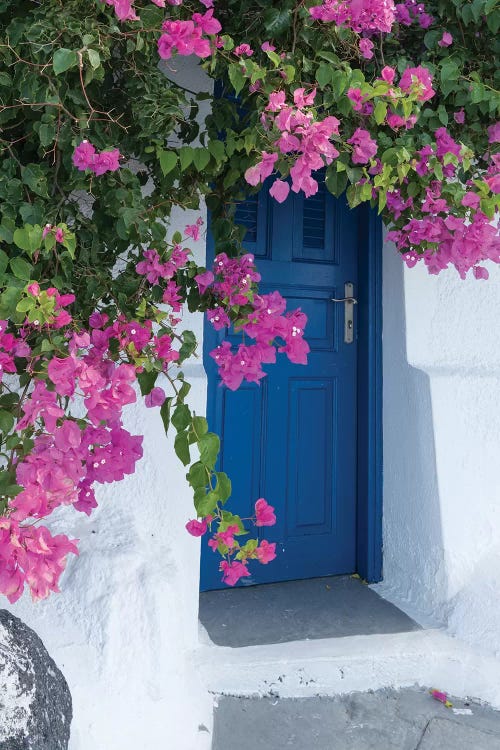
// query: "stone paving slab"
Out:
[295,610]
[406,719]
[442,734]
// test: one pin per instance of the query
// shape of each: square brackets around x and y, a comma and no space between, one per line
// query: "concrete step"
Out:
[338,666]
[384,720]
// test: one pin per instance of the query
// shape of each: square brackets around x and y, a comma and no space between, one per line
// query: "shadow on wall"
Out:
[414,566]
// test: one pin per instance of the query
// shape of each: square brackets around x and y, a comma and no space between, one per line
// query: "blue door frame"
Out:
[369,394]
[370,433]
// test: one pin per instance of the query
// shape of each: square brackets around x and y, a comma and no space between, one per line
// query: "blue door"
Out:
[298,448]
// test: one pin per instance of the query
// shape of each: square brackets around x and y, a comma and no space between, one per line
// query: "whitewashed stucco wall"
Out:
[125,626]
[125,629]
[126,623]
[441,346]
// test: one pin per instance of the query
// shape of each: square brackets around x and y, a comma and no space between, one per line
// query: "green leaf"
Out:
[6,421]
[165,413]
[181,417]
[21,268]
[147,381]
[209,446]
[28,238]
[328,56]
[324,74]
[200,426]
[186,156]
[25,304]
[181,447]
[46,133]
[236,77]
[336,182]
[201,158]
[339,83]
[168,161]
[277,20]
[64,59]
[217,150]
[205,503]
[8,301]
[34,177]
[4,262]
[223,487]
[94,58]
[380,112]
[197,475]
[449,76]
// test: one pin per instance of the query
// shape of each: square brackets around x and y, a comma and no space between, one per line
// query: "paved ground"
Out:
[296,610]
[384,720]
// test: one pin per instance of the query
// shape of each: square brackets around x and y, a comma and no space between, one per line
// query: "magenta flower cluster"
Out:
[266,325]
[236,556]
[188,37]
[86,157]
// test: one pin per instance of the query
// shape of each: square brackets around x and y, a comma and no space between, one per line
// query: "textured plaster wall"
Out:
[125,626]
[441,448]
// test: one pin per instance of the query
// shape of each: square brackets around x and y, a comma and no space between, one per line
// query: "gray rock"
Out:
[35,702]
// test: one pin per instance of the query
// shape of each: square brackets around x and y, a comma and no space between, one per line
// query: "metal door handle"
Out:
[349,302]
[345,299]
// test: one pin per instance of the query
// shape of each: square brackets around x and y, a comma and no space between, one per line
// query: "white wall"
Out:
[125,626]
[441,448]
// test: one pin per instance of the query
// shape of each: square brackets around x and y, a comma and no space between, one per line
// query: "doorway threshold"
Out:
[316,608]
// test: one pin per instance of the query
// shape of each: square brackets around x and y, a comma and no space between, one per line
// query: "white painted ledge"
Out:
[338,666]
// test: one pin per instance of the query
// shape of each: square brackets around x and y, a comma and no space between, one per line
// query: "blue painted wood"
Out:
[370,437]
[293,439]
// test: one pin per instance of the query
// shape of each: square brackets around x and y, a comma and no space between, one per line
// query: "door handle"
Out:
[349,302]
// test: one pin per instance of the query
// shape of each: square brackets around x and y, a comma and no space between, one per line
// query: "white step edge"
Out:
[335,666]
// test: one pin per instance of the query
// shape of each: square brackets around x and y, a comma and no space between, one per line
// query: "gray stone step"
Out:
[442,734]
[406,719]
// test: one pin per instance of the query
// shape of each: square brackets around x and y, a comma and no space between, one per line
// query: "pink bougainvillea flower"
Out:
[480,272]
[266,552]
[459,116]
[364,146]
[218,318]
[193,230]
[197,528]
[471,200]
[204,280]
[356,97]
[267,47]
[262,169]
[124,10]
[304,100]
[243,49]
[362,15]
[494,133]
[425,20]
[446,39]
[366,48]
[84,156]
[106,161]
[233,571]
[156,397]
[388,74]
[264,513]
[418,79]
[493,183]
[207,23]
[276,102]
[279,190]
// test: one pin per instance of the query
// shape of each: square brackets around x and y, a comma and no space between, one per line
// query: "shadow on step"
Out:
[297,610]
